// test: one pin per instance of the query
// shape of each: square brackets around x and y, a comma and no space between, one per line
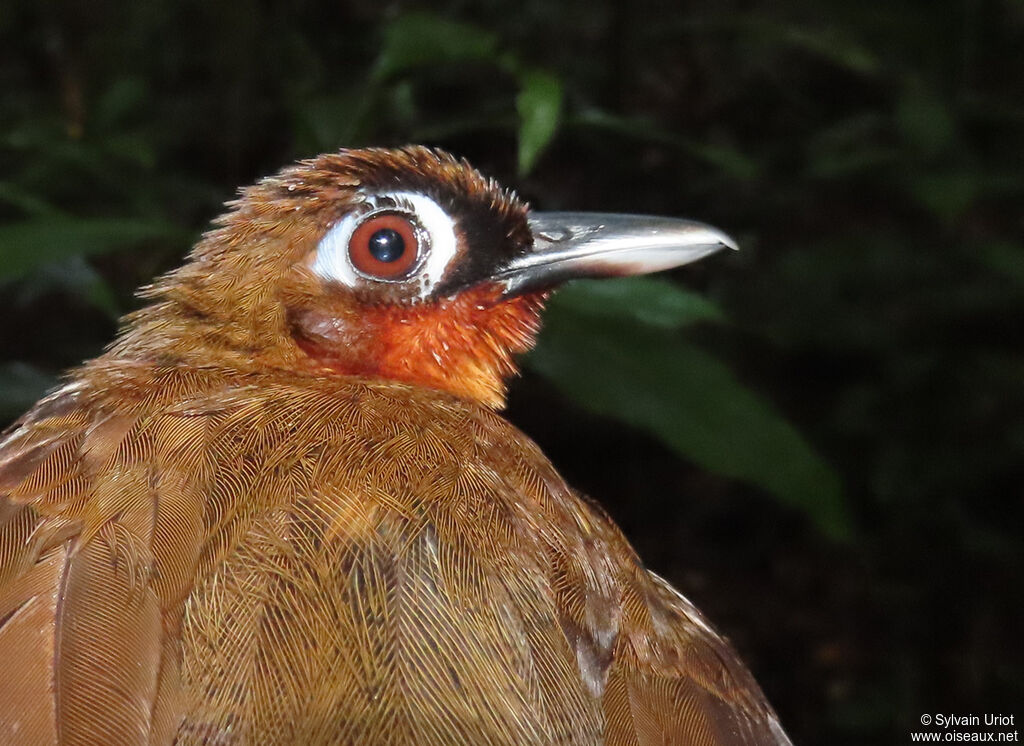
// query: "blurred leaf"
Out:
[330,122]
[849,147]
[417,39]
[725,158]
[124,96]
[831,44]
[31,244]
[401,101]
[539,104]
[132,148]
[24,200]
[693,403]
[1006,258]
[924,120]
[21,385]
[947,195]
[841,165]
[851,130]
[70,158]
[75,275]
[452,127]
[649,300]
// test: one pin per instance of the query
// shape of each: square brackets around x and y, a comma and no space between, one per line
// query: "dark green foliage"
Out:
[854,372]
[637,373]
[32,245]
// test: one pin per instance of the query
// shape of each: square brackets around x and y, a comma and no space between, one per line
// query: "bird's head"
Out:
[401,264]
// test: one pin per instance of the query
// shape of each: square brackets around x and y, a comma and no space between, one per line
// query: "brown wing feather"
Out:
[677,681]
[91,501]
[388,542]
[454,590]
[281,560]
[28,606]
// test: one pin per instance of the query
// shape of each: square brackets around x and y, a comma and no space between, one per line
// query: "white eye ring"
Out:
[332,261]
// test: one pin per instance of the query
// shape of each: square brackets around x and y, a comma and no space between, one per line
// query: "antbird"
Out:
[281,507]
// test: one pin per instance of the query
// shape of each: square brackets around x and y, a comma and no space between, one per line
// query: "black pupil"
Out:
[387,245]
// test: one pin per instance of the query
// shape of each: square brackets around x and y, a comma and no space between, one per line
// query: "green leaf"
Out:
[1006,258]
[652,380]
[853,163]
[850,147]
[124,96]
[948,195]
[834,46]
[925,121]
[539,104]
[330,122]
[76,276]
[23,199]
[726,159]
[21,385]
[649,300]
[417,39]
[31,244]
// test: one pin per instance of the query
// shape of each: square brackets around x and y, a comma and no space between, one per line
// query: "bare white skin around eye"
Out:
[438,242]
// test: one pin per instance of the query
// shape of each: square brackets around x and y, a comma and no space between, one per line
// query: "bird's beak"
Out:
[569,245]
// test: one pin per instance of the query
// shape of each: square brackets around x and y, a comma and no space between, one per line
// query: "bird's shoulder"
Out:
[125,445]
[128,486]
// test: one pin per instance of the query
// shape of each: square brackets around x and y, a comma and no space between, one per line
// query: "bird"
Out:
[283,507]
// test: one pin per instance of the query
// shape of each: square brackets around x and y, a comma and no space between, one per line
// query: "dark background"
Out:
[818,438]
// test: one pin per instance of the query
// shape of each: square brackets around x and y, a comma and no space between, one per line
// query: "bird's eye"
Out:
[385,246]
